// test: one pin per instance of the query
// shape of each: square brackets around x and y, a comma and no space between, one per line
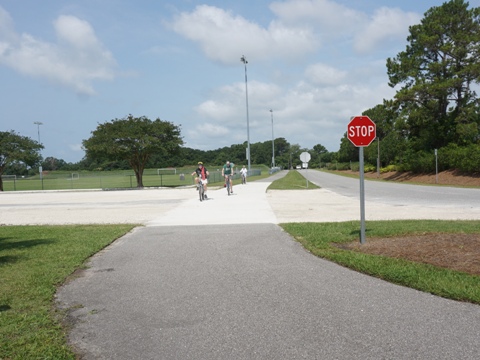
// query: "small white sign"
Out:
[305,157]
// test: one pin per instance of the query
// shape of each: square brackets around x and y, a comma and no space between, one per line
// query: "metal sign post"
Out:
[305,158]
[361,131]
[362,197]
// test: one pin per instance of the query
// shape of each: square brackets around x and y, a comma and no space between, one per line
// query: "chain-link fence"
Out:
[105,180]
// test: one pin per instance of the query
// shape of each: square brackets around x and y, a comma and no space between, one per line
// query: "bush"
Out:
[420,161]
[465,159]
[388,168]
[338,166]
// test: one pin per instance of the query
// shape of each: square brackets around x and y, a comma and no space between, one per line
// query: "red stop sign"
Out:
[361,131]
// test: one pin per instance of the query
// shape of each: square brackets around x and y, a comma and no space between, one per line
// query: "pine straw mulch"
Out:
[460,252]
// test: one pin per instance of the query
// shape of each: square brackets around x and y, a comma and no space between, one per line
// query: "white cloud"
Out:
[335,21]
[221,35]
[386,24]
[215,110]
[323,74]
[324,14]
[75,61]
[209,130]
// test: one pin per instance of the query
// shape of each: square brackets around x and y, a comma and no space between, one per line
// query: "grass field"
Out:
[118,179]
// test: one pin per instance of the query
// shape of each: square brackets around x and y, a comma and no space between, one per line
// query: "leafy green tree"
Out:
[390,142]
[438,72]
[319,155]
[51,164]
[134,140]
[15,149]
[347,152]
[295,151]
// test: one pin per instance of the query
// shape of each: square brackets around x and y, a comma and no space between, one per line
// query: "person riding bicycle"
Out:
[244,172]
[227,173]
[202,175]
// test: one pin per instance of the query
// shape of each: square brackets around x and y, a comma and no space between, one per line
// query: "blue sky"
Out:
[74,64]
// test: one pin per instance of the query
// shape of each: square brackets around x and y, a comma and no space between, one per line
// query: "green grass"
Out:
[293,180]
[34,260]
[319,238]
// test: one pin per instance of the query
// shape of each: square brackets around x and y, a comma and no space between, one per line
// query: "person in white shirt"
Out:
[244,172]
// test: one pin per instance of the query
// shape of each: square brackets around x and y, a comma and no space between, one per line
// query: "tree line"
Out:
[435,111]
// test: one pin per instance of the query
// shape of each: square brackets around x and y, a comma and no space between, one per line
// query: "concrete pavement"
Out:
[249,203]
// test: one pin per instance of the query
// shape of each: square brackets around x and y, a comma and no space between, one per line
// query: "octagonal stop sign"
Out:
[361,131]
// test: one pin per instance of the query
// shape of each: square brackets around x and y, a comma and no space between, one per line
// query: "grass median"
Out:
[34,260]
[293,180]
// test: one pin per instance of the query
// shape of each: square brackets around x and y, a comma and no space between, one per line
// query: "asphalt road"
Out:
[212,280]
[396,194]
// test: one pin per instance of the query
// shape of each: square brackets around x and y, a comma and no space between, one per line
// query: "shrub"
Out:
[388,168]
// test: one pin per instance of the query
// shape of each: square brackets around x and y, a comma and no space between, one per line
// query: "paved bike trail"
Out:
[220,280]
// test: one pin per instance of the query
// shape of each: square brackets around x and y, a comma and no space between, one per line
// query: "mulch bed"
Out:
[459,252]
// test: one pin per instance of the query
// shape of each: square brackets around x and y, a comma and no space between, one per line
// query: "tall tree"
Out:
[437,71]
[134,140]
[318,155]
[15,148]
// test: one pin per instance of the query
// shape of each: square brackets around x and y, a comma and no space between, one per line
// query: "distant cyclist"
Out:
[227,173]
[202,173]
[244,172]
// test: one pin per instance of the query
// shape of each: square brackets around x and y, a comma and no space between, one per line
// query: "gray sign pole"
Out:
[305,158]
[362,197]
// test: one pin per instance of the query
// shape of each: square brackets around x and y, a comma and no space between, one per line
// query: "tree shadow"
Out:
[22,244]
[4,307]
[7,259]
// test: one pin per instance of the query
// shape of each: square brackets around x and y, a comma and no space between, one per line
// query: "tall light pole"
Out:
[273,142]
[245,62]
[38,123]
[40,170]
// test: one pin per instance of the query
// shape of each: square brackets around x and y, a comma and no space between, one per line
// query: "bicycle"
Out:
[244,179]
[227,184]
[201,190]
